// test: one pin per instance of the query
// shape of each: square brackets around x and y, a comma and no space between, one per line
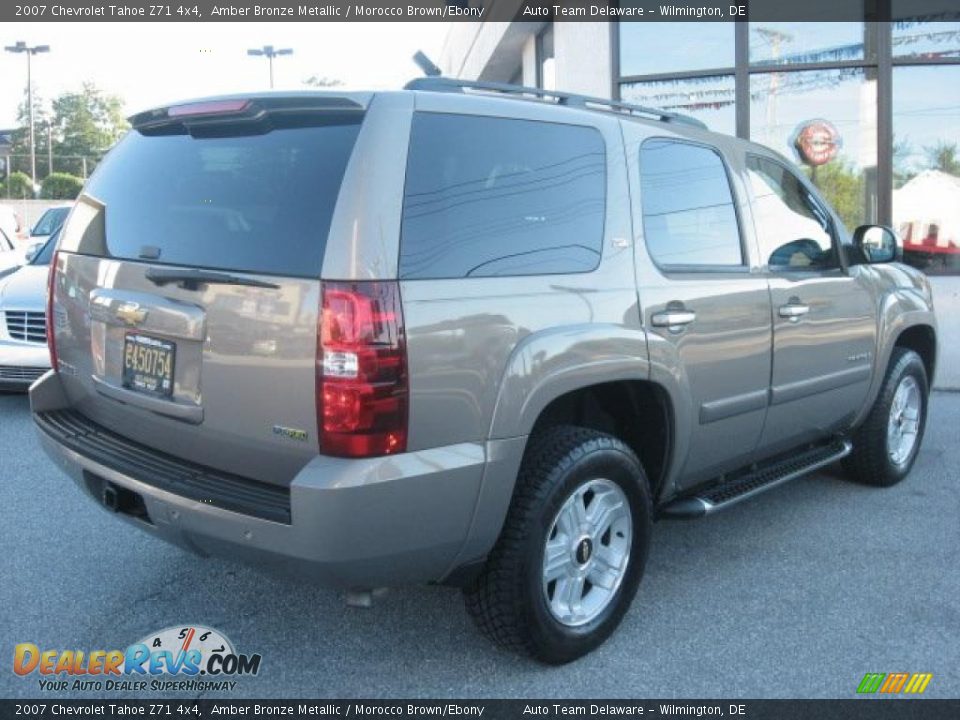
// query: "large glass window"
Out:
[688,211]
[710,99]
[647,48]
[928,40]
[813,91]
[793,231]
[791,43]
[926,165]
[826,121]
[492,196]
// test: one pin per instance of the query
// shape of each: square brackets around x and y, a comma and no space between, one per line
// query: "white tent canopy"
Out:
[931,200]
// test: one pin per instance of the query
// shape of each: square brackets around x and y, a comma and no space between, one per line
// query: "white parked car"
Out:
[51,221]
[10,255]
[23,328]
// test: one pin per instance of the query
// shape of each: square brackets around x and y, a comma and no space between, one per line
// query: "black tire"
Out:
[507,600]
[870,462]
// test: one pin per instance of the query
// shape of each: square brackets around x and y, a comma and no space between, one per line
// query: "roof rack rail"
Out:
[446,84]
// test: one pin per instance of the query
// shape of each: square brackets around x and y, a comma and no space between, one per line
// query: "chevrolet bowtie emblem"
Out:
[131,313]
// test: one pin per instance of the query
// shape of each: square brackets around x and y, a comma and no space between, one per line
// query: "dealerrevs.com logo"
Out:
[179,658]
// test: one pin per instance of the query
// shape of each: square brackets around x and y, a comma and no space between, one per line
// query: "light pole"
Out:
[269,52]
[22,47]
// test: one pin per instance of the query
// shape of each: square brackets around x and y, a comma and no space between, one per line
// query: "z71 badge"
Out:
[291,433]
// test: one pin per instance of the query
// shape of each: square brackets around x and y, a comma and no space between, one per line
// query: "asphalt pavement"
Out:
[796,593]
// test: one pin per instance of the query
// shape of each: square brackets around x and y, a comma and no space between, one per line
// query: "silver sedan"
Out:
[23,330]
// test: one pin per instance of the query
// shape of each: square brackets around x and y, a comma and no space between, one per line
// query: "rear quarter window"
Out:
[251,203]
[493,197]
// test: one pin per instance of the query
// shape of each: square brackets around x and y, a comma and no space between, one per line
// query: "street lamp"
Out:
[22,47]
[269,52]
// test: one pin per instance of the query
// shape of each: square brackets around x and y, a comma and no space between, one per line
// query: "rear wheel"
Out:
[885,446]
[572,550]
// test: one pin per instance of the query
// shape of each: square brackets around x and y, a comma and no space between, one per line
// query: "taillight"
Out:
[361,370]
[51,287]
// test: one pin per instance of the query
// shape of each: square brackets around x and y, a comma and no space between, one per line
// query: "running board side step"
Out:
[720,497]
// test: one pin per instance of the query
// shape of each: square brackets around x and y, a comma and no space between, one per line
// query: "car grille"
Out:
[166,472]
[26,326]
[14,373]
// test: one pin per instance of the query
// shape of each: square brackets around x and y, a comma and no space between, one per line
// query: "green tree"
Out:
[843,186]
[86,124]
[902,150]
[60,186]
[20,150]
[944,156]
[19,186]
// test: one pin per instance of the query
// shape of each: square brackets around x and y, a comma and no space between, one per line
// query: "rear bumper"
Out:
[22,363]
[353,523]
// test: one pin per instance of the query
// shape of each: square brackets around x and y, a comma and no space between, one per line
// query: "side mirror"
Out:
[32,252]
[878,243]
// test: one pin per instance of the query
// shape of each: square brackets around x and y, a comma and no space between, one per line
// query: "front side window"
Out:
[689,217]
[494,196]
[793,229]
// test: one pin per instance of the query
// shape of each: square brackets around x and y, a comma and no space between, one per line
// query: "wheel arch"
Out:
[638,412]
[922,339]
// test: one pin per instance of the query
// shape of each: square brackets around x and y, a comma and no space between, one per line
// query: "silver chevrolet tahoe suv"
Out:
[468,334]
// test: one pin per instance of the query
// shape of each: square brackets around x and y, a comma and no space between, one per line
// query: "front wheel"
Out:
[572,550]
[885,446]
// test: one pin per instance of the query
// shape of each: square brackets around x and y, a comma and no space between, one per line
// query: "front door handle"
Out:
[794,310]
[673,319]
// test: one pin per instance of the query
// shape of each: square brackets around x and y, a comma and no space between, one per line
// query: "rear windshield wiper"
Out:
[191,279]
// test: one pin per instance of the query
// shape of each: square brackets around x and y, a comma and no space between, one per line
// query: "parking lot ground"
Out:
[796,593]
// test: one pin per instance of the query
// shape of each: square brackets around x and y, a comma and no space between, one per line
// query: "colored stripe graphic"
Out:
[893,683]
[918,683]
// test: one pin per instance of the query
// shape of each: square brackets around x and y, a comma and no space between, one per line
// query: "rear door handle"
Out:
[794,310]
[673,319]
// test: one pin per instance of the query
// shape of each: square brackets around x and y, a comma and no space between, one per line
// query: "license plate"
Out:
[148,364]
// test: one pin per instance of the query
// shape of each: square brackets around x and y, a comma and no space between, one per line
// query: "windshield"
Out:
[50,221]
[45,254]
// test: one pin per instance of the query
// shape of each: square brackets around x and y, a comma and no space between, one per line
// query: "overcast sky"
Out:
[151,64]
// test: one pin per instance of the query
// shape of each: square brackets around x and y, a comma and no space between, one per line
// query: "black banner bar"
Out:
[186,709]
[472,10]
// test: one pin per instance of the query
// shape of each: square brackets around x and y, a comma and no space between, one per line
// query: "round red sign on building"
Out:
[817,142]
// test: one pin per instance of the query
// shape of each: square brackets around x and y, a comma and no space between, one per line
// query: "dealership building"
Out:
[870,110]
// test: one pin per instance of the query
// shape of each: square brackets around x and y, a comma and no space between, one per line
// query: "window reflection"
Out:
[929,40]
[710,99]
[782,105]
[515,198]
[926,165]
[793,231]
[688,212]
[790,43]
[675,47]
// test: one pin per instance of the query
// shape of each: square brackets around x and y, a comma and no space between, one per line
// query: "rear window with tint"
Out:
[250,203]
[494,196]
